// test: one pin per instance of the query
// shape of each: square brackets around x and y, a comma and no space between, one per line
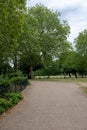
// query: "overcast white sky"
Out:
[74,11]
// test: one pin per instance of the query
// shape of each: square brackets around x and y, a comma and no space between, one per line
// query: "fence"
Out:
[16,84]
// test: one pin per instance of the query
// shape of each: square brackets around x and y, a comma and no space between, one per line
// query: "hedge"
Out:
[18,84]
[14,84]
[9,100]
[4,86]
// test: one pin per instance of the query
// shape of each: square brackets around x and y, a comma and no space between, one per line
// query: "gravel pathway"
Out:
[48,106]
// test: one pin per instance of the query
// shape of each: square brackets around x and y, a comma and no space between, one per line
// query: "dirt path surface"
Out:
[49,106]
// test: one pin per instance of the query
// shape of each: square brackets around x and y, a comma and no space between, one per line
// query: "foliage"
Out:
[12,15]
[19,81]
[17,78]
[4,105]
[15,74]
[9,100]
[69,63]
[39,72]
[44,35]
[81,48]
[37,37]
[52,32]
[14,98]
[30,47]
[6,68]
[14,79]
[4,86]
[81,43]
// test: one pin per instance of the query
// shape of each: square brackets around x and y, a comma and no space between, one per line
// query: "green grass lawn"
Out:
[82,82]
[61,78]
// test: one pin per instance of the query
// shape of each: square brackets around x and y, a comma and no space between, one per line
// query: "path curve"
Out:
[49,106]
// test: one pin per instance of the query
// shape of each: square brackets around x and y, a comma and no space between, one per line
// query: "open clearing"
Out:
[49,106]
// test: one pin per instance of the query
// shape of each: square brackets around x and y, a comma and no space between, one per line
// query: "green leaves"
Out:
[12,16]
[30,37]
[81,43]
[44,33]
[81,48]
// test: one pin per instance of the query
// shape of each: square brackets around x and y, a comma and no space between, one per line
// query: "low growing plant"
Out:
[4,86]
[9,100]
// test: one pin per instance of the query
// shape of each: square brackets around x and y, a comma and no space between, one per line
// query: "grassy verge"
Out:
[61,79]
[85,90]
[82,82]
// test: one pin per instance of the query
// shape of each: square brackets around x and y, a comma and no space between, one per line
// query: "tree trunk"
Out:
[69,75]
[82,75]
[31,72]
[75,75]
[28,71]
[15,62]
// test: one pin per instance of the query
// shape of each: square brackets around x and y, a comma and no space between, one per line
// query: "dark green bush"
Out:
[9,100]
[40,72]
[9,96]
[19,80]
[2,110]
[15,74]
[4,86]
[4,105]
[14,98]
[12,84]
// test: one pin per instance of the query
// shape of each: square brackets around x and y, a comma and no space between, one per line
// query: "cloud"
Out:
[76,18]
[60,5]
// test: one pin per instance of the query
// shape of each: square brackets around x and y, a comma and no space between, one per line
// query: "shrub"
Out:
[19,80]
[9,100]
[13,84]
[2,110]
[18,83]
[7,85]
[4,86]
[9,96]
[40,72]
[4,105]
[15,74]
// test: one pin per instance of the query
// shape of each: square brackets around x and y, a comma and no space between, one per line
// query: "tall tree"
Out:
[44,33]
[11,22]
[29,44]
[52,31]
[69,63]
[81,48]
